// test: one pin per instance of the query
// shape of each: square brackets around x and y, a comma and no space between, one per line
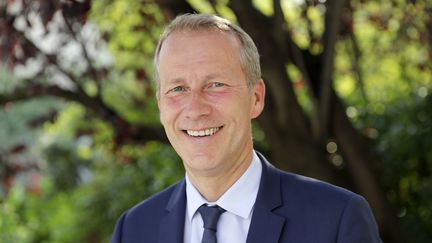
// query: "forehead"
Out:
[199,41]
[209,49]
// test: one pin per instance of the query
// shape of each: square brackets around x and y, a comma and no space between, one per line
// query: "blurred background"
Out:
[348,101]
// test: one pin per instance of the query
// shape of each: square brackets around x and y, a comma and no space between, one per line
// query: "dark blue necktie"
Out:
[210,216]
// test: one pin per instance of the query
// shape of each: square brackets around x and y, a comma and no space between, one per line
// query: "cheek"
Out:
[165,115]
[225,99]
[169,106]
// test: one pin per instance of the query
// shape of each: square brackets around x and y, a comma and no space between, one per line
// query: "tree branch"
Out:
[125,132]
[93,72]
[51,59]
[355,149]
[262,30]
[356,64]
[172,8]
[295,55]
[332,23]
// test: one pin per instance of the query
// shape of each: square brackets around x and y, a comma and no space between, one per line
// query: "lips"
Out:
[204,132]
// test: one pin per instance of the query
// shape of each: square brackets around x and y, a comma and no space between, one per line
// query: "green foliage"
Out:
[391,102]
[16,120]
[86,180]
[11,229]
[132,29]
[85,183]
[406,165]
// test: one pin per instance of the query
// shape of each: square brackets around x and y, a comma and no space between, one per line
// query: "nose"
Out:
[197,106]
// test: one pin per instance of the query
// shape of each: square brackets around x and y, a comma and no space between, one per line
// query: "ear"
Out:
[258,93]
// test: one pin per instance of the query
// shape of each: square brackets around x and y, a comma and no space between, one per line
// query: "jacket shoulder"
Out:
[329,211]
[142,218]
[155,204]
[306,188]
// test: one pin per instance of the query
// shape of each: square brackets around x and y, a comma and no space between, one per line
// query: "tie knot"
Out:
[210,215]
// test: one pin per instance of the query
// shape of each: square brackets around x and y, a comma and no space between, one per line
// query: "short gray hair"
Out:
[249,57]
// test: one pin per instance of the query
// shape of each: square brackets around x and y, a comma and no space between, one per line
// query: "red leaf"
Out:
[47,8]
[18,149]
[76,9]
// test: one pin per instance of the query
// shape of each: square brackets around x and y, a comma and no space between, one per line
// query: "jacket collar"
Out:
[171,229]
[266,226]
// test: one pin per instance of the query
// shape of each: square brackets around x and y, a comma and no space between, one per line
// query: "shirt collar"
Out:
[239,199]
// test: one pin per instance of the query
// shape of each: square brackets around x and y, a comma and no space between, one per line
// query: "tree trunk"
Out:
[356,152]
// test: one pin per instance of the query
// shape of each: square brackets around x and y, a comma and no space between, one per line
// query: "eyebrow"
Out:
[206,78]
[212,76]
[175,81]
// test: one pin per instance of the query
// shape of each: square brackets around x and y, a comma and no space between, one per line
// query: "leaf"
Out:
[47,8]
[76,10]
[19,148]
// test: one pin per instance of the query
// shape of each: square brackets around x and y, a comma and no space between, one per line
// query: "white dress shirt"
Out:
[238,201]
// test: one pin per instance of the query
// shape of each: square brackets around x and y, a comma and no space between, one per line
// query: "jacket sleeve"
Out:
[118,230]
[357,224]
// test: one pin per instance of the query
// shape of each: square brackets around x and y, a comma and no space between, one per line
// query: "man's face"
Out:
[205,104]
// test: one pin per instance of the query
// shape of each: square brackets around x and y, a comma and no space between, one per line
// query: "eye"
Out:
[217,84]
[178,89]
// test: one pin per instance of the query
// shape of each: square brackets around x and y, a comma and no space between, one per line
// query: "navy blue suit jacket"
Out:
[289,208]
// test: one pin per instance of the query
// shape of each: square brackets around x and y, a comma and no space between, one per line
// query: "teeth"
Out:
[202,133]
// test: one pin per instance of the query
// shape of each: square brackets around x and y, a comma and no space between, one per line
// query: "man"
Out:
[209,90]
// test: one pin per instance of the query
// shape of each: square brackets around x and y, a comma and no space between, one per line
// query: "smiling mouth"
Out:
[204,132]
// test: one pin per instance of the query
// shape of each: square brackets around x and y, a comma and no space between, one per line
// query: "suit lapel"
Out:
[171,227]
[266,226]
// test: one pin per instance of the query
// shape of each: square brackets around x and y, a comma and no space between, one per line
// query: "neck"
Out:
[212,187]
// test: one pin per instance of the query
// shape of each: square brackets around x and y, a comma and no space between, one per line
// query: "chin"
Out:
[201,163]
